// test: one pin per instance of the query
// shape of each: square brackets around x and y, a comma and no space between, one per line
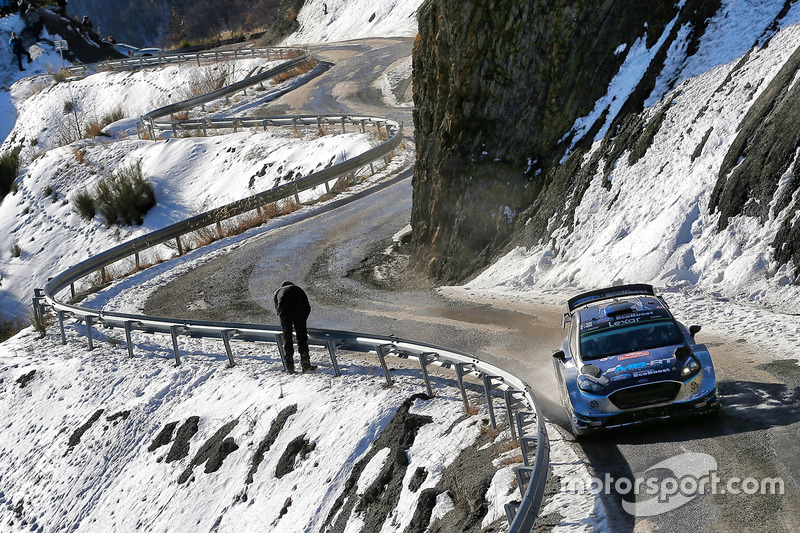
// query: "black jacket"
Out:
[291,299]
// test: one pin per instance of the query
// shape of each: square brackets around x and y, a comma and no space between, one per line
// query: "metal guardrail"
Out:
[524,417]
[168,58]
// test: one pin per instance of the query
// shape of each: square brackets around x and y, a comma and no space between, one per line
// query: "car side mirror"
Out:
[566,319]
[694,330]
[560,355]
[682,353]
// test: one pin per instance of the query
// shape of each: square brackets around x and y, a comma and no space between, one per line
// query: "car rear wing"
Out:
[609,293]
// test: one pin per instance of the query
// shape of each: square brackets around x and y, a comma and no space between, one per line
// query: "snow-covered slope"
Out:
[343,20]
[186,173]
[653,224]
[84,446]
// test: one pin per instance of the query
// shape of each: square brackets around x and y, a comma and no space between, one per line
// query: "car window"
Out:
[621,339]
[573,334]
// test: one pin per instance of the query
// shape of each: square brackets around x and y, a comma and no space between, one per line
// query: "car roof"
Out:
[625,310]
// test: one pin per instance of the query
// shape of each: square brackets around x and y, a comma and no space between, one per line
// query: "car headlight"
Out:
[690,368]
[589,385]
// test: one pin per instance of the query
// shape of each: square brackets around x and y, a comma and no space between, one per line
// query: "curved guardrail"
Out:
[524,417]
[169,58]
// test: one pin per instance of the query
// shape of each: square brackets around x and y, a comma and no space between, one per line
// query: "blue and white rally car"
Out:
[627,360]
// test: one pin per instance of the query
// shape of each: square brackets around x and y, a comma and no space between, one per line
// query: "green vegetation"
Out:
[9,327]
[122,198]
[83,204]
[9,167]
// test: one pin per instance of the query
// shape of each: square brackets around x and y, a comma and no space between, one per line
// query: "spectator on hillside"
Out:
[16,46]
[13,5]
[62,7]
[86,24]
[291,304]
[33,19]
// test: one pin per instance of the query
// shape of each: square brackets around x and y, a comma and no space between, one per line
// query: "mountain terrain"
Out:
[607,143]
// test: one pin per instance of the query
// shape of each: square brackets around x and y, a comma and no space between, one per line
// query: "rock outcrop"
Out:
[498,86]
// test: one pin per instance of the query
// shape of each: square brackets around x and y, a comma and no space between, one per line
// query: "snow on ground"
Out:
[113,477]
[654,226]
[323,21]
[40,218]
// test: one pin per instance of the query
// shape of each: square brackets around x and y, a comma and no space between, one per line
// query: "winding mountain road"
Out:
[756,436]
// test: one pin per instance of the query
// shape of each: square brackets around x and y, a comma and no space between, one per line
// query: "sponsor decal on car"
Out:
[639,366]
[651,372]
[633,355]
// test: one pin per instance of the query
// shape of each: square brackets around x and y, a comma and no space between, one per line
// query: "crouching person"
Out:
[291,304]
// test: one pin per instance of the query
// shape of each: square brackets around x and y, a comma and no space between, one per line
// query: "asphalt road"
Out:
[755,437]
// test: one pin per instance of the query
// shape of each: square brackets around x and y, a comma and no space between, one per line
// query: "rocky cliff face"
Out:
[502,158]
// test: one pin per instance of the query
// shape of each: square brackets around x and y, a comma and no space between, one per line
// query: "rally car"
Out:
[626,360]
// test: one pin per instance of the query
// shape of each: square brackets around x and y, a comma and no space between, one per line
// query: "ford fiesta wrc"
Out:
[626,360]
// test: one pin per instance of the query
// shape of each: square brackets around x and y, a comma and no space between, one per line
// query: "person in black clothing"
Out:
[18,49]
[62,7]
[293,309]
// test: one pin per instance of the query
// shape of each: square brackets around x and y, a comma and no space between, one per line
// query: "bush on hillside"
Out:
[125,196]
[9,167]
[83,204]
[9,327]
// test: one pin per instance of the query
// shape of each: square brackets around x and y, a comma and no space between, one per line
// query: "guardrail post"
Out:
[174,130]
[382,350]
[487,388]
[205,133]
[460,378]
[72,290]
[128,325]
[173,331]
[151,128]
[198,59]
[523,440]
[226,340]
[423,365]
[88,321]
[511,511]
[279,339]
[343,131]
[507,395]
[180,246]
[332,351]
[61,327]
[219,229]
[138,263]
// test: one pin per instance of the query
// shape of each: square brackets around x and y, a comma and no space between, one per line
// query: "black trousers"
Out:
[19,58]
[288,321]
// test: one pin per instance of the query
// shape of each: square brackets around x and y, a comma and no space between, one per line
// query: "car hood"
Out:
[638,368]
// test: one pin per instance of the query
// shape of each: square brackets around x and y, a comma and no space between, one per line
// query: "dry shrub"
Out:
[289,205]
[205,236]
[93,129]
[179,115]
[300,69]
[80,154]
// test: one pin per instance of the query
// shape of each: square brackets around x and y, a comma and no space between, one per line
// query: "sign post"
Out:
[61,46]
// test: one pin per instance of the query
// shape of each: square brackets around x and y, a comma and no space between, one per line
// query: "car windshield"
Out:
[626,338]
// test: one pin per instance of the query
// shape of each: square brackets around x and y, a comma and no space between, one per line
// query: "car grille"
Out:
[643,395]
